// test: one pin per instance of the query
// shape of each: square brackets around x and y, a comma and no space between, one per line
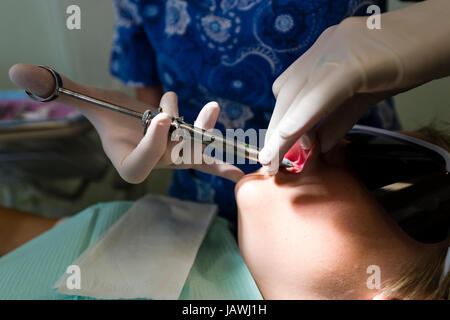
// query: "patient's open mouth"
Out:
[298,156]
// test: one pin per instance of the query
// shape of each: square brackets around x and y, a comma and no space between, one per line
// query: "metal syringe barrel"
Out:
[239,148]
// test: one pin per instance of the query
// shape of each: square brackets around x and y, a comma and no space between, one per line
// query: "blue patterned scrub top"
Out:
[229,51]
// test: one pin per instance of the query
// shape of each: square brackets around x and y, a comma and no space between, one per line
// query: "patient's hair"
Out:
[421,281]
[440,138]
[424,281]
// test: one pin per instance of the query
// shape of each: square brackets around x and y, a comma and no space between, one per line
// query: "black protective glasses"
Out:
[381,157]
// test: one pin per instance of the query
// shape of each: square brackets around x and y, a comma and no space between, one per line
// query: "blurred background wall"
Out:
[425,104]
[35,32]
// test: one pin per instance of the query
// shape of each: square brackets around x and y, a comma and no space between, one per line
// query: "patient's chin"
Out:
[261,185]
[324,174]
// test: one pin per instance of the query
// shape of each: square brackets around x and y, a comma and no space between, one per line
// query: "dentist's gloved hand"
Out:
[350,68]
[132,154]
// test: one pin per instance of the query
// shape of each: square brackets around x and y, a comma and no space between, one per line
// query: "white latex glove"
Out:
[132,154]
[350,68]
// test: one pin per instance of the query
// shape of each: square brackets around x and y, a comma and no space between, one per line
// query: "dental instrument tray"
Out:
[42,143]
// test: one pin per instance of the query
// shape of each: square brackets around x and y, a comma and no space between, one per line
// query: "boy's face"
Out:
[303,235]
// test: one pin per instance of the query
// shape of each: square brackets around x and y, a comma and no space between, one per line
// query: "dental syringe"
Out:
[205,137]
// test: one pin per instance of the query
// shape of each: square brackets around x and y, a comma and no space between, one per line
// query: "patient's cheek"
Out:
[260,193]
[259,200]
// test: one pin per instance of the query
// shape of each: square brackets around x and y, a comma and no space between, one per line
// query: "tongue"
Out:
[298,156]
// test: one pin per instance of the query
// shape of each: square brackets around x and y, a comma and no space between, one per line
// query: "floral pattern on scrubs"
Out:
[229,51]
